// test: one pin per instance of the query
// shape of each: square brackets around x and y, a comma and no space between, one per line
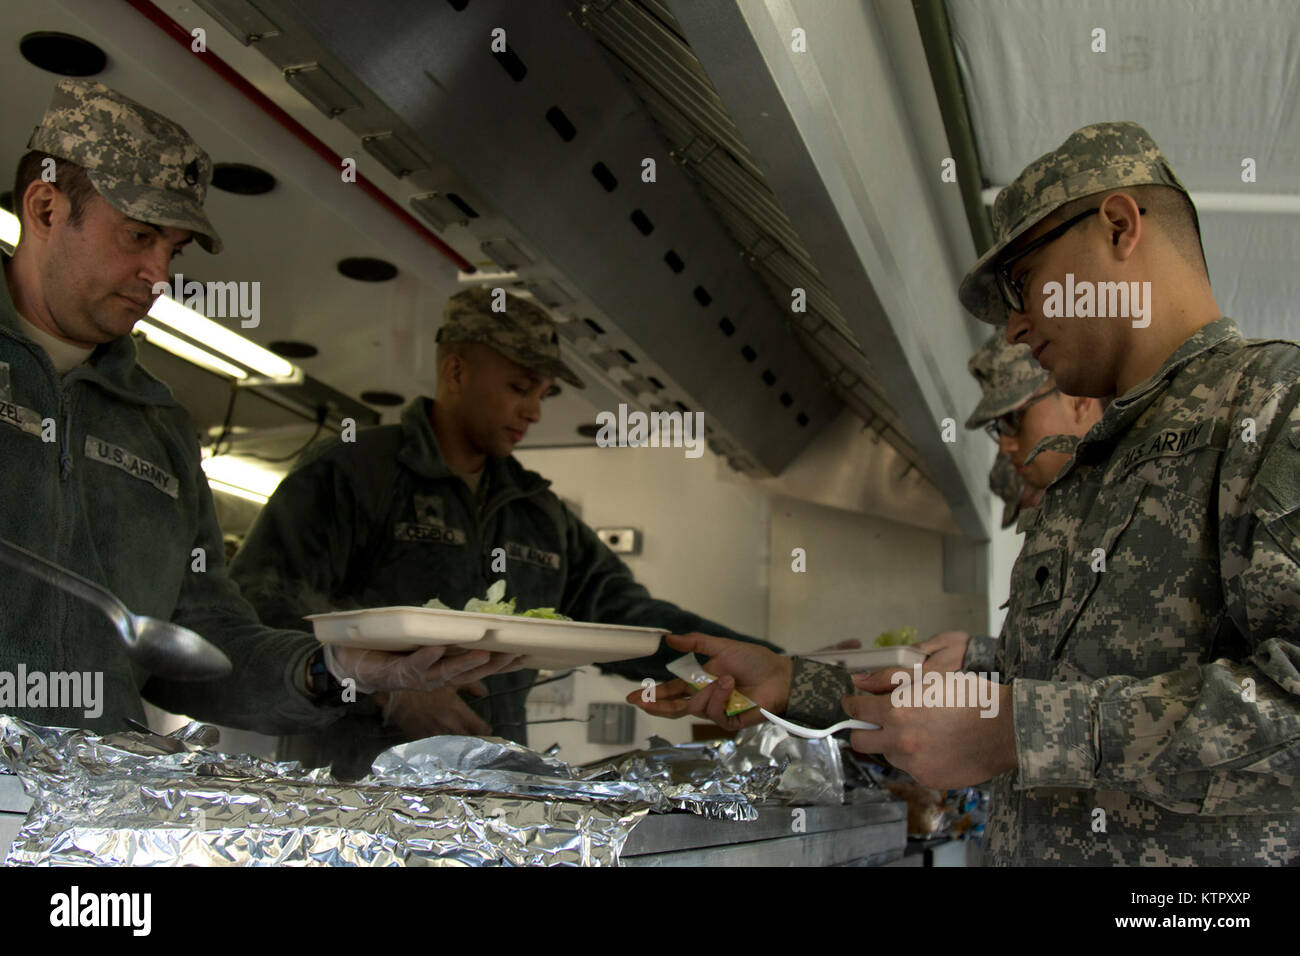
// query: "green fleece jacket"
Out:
[103,477]
[382,521]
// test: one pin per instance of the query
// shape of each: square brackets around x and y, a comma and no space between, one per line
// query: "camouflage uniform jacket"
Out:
[1163,690]
[118,497]
[383,521]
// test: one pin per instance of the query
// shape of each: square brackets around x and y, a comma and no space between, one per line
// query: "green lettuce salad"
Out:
[901,637]
[495,603]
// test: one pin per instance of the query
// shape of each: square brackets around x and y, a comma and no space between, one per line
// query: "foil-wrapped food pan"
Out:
[138,800]
[729,779]
[704,778]
[813,772]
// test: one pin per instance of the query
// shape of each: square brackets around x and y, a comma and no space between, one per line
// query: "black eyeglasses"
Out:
[1009,424]
[1012,291]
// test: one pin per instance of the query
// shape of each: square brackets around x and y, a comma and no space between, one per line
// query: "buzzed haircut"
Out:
[1173,210]
[69,178]
[1169,208]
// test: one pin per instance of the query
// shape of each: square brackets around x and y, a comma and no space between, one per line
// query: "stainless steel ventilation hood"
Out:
[677,288]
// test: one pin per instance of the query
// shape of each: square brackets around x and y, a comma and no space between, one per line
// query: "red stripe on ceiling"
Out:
[300,132]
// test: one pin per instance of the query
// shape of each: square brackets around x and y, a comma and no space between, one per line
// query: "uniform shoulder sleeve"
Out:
[815,693]
[981,654]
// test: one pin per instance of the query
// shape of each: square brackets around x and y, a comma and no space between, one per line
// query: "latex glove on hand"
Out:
[428,668]
[761,675]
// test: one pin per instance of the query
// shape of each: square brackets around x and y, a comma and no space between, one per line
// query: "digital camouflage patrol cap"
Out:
[1094,159]
[144,165]
[522,333]
[1008,377]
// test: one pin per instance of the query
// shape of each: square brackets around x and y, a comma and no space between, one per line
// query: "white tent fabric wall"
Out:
[1214,82]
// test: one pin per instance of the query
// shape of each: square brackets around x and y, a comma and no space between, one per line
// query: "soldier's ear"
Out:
[1083,411]
[451,370]
[37,205]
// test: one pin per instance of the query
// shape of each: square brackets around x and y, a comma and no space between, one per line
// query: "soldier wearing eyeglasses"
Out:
[1149,668]
[1032,421]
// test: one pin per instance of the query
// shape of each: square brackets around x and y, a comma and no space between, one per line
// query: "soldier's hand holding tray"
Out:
[428,668]
[760,674]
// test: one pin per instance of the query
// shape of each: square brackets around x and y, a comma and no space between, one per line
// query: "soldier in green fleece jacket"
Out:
[104,463]
[437,507]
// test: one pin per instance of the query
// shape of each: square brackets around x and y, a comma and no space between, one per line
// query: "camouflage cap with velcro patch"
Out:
[144,165]
[522,332]
[1008,377]
[1094,159]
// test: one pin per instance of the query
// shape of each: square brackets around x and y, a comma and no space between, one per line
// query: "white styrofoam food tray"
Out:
[545,644]
[870,658]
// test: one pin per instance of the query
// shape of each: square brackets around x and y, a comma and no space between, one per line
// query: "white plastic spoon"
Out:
[813,734]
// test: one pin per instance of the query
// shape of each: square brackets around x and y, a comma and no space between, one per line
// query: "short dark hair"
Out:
[69,178]
[1171,208]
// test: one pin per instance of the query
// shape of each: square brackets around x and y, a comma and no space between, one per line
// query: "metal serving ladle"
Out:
[161,647]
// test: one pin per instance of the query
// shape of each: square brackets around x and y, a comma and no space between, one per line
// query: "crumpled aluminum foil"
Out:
[722,779]
[493,765]
[725,789]
[146,800]
[814,769]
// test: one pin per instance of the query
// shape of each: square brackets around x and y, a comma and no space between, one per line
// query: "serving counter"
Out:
[869,834]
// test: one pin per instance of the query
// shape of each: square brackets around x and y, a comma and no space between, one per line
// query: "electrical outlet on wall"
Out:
[621,540]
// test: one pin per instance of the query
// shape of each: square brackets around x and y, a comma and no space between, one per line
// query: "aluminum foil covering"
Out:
[814,769]
[716,779]
[144,799]
[499,766]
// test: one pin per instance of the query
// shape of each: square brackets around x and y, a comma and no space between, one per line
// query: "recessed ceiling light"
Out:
[382,398]
[62,53]
[364,269]
[242,179]
[294,350]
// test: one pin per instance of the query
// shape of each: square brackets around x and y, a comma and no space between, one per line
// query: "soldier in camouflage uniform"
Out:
[1150,661]
[438,507]
[1034,423]
[106,462]
[1008,377]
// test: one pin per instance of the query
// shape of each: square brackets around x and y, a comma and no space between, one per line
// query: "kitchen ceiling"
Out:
[428,114]
[709,339]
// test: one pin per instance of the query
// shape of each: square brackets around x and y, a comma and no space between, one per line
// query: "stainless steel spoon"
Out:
[161,647]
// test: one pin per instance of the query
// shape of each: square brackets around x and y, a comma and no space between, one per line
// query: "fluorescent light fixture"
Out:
[10,228]
[241,476]
[483,277]
[191,353]
[219,339]
[237,491]
[1288,203]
